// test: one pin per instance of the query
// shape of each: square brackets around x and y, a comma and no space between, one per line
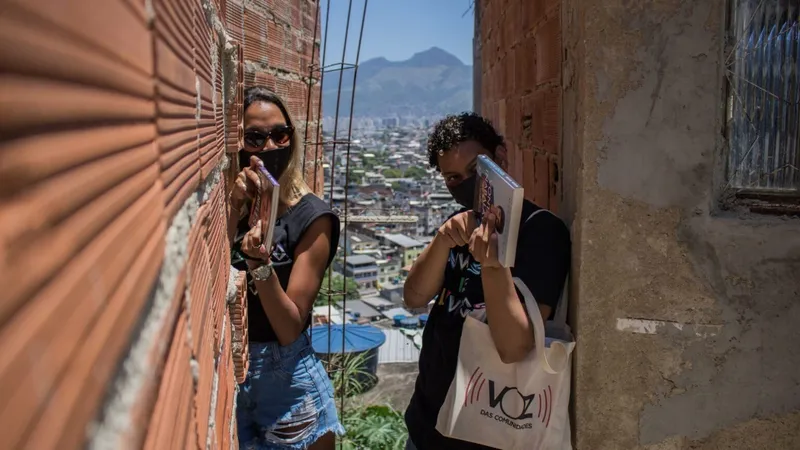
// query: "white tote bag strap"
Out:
[538,333]
[560,317]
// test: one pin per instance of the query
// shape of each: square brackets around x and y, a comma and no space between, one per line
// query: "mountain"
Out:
[430,83]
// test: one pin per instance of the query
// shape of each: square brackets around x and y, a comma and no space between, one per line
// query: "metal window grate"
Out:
[762,68]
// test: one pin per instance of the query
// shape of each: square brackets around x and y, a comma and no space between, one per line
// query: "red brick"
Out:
[265,79]
[485,52]
[509,72]
[67,103]
[180,189]
[110,184]
[126,37]
[176,371]
[234,15]
[548,49]
[30,161]
[32,48]
[205,41]
[533,12]
[112,72]
[526,163]
[174,28]
[255,36]
[551,125]
[513,118]
[484,94]
[555,182]
[500,36]
[541,176]
[516,164]
[487,10]
[514,22]
[525,66]
[145,407]
[182,177]
[551,5]
[173,69]
[75,403]
[507,30]
[59,313]
[178,152]
[532,117]
[499,117]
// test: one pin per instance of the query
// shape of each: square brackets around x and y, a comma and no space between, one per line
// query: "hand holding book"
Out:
[498,196]
[264,191]
[253,246]
[244,188]
[483,242]
[458,229]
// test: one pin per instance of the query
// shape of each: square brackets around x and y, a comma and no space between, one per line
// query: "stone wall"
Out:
[118,311]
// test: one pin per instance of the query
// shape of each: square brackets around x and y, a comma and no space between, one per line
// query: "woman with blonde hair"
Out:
[287,399]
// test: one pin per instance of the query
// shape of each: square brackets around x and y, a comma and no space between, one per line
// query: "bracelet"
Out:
[262,273]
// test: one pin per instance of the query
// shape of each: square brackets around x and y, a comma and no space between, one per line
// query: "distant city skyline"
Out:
[397,30]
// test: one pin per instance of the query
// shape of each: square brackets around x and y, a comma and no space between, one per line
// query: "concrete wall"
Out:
[120,322]
[686,316]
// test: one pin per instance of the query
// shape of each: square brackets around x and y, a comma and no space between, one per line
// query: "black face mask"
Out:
[464,193]
[275,161]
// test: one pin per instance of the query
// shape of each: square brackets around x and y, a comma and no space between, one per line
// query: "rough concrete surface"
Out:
[643,94]
[395,385]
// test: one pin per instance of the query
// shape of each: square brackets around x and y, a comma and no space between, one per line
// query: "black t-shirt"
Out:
[289,229]
[542,263]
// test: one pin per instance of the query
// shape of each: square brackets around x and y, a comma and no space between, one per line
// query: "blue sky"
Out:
[396,29]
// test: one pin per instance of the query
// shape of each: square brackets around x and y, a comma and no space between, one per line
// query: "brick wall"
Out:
[278,38]
[519,54]
[120,323]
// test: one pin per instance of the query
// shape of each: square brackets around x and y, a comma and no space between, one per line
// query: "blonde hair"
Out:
[292,181]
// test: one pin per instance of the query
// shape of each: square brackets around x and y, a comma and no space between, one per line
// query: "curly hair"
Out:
[455,129]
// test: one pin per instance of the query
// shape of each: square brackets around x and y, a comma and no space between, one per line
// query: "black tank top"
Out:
[289,229]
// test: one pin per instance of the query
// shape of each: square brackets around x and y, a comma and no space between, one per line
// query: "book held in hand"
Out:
[265,204]
[496,191]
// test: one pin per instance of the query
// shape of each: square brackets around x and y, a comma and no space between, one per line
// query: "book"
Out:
[496,191]
[265,205]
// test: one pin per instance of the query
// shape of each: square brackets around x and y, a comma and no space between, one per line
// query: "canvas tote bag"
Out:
[512,406]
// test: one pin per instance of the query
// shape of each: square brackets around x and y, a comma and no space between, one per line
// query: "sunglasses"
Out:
[280,136]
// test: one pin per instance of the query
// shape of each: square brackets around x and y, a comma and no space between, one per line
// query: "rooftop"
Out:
[390,313]
[402,240]
[360,259]
[360,238]
[398,348]
[378,302]
[334,317]
[360,308]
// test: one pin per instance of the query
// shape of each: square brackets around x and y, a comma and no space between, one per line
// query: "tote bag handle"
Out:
[559,355]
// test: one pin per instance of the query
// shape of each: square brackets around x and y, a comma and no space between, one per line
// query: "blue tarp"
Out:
[357,338]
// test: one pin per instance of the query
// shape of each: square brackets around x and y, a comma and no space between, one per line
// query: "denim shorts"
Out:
[287,400]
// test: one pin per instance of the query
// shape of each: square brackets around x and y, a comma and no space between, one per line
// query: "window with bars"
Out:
[762,68]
